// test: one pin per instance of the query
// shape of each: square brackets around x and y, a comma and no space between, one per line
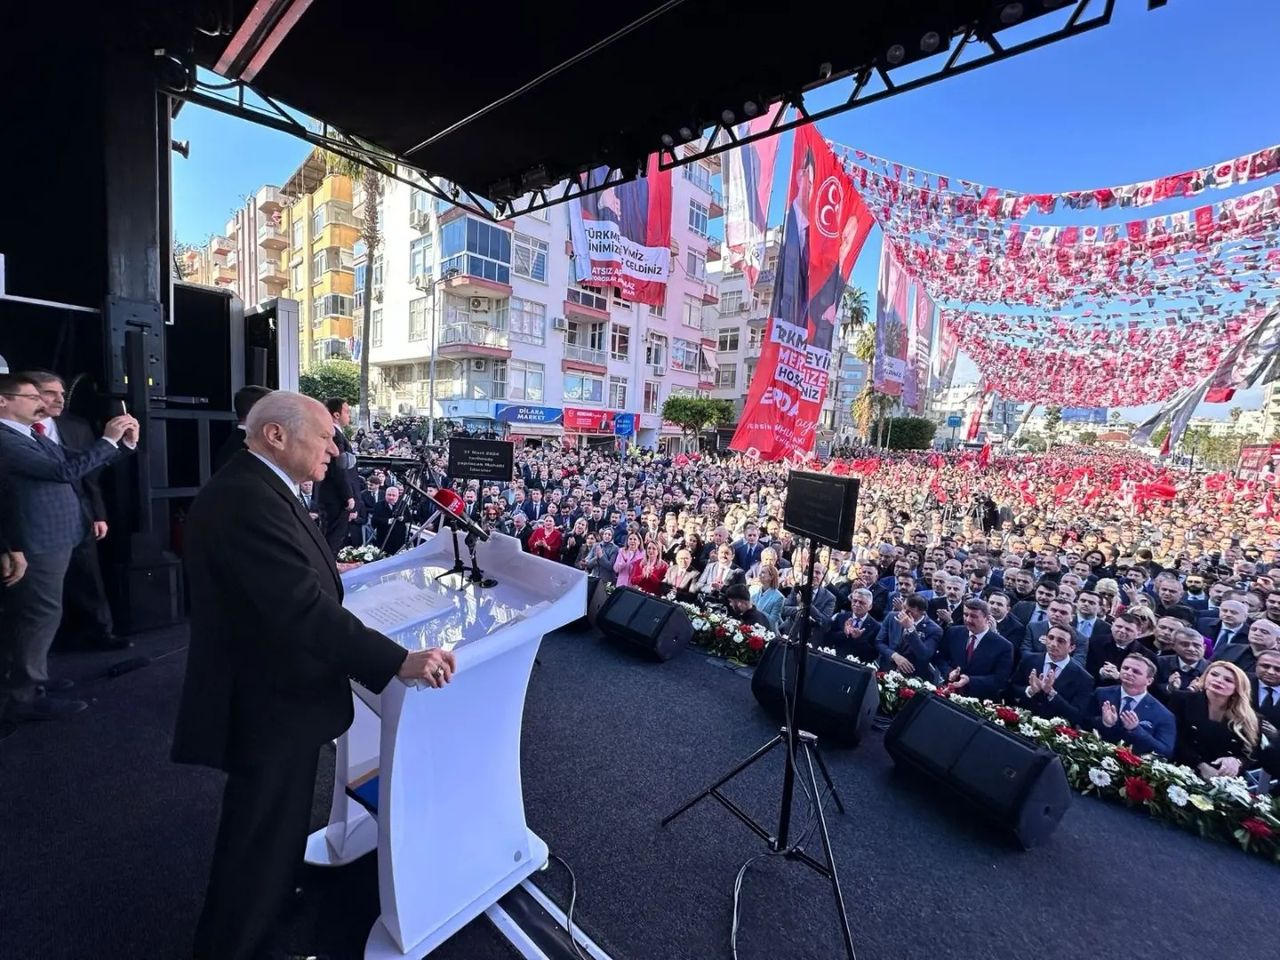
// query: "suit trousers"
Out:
[336,529]
[84,596]
[262,837]
[33,610]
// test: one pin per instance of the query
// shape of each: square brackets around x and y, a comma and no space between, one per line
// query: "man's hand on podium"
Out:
[434,667]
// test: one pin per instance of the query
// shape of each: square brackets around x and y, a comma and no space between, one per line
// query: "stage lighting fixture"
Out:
[686,134]
[896,54]
[535,178]
[824,71]
[181,147]
[727,117]
[750,108]
[668,141]
[930,41]
[1011,13]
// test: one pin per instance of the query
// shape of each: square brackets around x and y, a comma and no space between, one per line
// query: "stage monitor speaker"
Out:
[646,621]
[1018,785]
[840,697]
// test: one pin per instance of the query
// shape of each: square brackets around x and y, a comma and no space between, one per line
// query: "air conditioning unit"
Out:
[480,304]
[406,409]
[377,294]
[560,324]
[659,370]
[479,366]
[422,281]
[418,219]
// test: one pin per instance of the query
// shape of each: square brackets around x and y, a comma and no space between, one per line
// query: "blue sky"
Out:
[1152,93]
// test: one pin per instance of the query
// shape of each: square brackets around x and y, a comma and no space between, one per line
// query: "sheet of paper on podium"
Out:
[395,604]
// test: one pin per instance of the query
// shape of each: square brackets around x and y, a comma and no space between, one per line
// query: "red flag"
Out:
[1164,447]
[1267,508]
[984,455]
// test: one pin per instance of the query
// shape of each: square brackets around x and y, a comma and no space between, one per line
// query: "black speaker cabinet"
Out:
[840,698]
[646,621]
[1018,785]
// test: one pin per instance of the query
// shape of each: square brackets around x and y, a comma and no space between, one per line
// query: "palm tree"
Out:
[1235,414]
[371,182]
[860,328]
[868,405]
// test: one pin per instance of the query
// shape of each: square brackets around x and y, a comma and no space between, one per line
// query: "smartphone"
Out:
[116,408]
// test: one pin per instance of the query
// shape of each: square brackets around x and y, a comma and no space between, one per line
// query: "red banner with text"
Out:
[825,227]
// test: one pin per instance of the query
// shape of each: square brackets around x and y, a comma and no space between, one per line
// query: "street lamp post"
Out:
[437,307]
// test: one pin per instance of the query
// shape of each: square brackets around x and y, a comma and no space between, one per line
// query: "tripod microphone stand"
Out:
[798,743]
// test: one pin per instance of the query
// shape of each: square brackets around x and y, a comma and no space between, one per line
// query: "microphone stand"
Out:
[477,575]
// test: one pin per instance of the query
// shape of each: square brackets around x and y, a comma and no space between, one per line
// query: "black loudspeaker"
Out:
[1018,785]
[646,621]
[840,698]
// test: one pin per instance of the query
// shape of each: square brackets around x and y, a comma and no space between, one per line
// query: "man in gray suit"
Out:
[42,483]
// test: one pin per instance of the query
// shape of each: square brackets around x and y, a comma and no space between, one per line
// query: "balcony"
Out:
[270,272]
[476,276]
[271,236]
[269,200]
[220,245]
[765,278]
[711,293]
[713,249]
[470,339]
[575,351]
[223,275]
[716,207]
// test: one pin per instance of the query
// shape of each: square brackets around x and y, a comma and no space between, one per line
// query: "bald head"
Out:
[294,432]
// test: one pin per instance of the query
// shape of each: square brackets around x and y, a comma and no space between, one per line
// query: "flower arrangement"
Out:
[723,636]
[1221,808]
[365,554]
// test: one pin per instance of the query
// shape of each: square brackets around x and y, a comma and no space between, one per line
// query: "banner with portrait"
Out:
[825,226]
[621,236]
[748,186]
[889,368]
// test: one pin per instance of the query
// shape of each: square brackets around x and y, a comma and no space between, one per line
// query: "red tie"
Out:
[968,650]
[38,428]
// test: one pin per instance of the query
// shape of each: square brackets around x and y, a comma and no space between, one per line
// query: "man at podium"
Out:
[269,666]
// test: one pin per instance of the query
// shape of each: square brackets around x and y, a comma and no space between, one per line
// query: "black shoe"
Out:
[46,708]
[58,686]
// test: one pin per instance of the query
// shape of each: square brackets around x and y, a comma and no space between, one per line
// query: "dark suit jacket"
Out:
[1033,645]
[1241,654]
[271,646]
[1166,666]
[940,603]
[1012,629]
[1073,688]
[990,668]
[1024,610]
[863,647]
[230,447]
[77,436]
[43,485]
[1157,732]
[1272,713]
[336,488]
[1201,739]
[919,647]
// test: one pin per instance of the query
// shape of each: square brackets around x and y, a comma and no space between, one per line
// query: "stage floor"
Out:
[106,844]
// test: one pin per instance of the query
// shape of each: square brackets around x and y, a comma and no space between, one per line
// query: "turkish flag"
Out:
[984,455]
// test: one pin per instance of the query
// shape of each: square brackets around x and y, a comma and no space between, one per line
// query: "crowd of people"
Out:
[1093,586]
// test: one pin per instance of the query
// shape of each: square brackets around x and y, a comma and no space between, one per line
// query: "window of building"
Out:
[748,371]
[620,342]
[755,337]
[590,336]
[375,327]
[659,311]
[525,381]
[498,380]
[528,321]
[419,199]
[730,302]
[727,376]
[335,211]
[728,339]
[618,393]
[297,276]
[699,218]
[420,256]
[584,388]
[317,267]
[652,403]
[692,315]
[656,350]
[530,257]
[418,318]
[334,305]
[685,355]
[588,298]
[698,175]
[298,225]
[476,249]
[695,264]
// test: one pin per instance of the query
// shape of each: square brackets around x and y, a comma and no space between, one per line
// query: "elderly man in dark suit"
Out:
[269,666]
[50,519]
[86,614]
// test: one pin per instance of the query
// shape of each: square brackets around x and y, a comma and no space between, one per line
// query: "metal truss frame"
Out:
[723,135]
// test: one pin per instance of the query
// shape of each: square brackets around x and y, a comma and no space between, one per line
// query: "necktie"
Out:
[968,650]
[1224,636]
[1126,705]
[1051,668]
[1039,615]
[38,428]
[1268,698]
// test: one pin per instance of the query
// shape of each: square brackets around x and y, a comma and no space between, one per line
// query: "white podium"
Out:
[441,768]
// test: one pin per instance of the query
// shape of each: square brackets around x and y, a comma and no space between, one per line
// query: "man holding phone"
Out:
[43,483]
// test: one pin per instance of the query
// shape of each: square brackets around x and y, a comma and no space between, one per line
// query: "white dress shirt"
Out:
[278,472]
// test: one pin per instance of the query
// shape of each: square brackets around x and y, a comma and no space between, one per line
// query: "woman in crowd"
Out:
[650,573]
[546,540]
[627,560]
[768,598]
[1217,726]
[575,543]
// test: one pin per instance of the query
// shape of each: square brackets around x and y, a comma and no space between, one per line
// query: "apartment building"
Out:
[242,257]
[519,346]
[316,266]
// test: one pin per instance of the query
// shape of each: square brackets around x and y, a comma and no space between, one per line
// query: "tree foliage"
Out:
[695,414]
[910,433]
[333,378]
[1087,437]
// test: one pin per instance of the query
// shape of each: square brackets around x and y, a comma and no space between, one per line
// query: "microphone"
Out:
[454,509]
